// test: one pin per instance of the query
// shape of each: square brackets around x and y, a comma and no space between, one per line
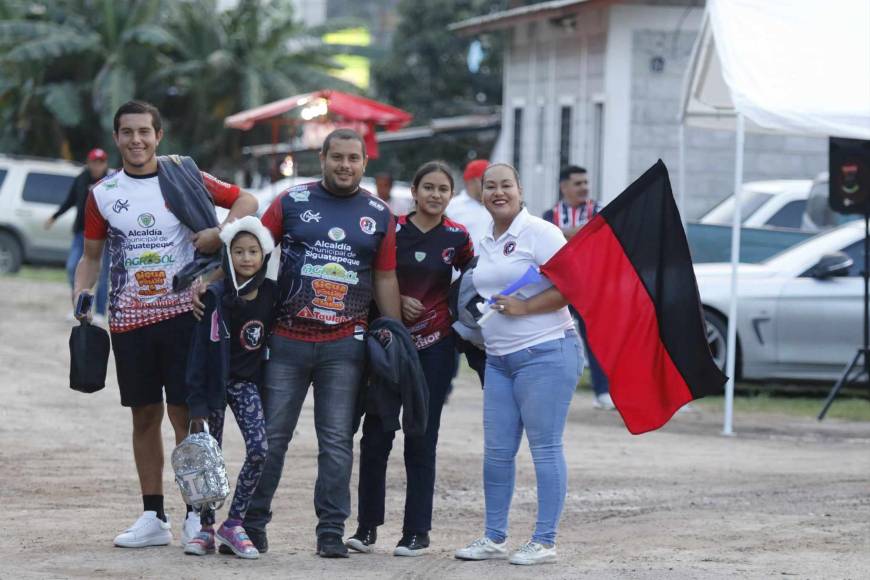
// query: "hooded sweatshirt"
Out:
[229,343]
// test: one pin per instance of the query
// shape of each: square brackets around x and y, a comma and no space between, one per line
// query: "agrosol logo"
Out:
[146,220]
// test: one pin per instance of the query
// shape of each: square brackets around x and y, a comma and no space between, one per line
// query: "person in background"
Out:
[384,190]
[468,210]
[97,168]
[573,211]
[429,247]
[533,362]
[467,207]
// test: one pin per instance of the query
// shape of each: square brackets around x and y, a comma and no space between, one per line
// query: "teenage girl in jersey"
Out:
[429,247]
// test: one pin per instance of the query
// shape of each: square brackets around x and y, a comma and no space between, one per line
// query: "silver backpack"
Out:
[200,471]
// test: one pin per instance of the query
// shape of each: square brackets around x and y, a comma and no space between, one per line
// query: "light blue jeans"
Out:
[529,389]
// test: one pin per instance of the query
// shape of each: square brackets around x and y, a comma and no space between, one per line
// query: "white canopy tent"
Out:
[780,66]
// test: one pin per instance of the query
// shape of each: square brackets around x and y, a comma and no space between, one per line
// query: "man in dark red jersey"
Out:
[338,252]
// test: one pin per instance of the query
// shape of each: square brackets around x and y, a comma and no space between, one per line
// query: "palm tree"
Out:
[73,63]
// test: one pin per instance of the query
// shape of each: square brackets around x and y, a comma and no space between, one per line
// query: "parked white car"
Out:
[779,203]
[31,190]
[799,312]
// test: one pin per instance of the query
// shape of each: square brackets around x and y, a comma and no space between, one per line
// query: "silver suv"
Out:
[31,190]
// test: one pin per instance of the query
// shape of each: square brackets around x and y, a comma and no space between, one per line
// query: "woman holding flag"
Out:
[533,364]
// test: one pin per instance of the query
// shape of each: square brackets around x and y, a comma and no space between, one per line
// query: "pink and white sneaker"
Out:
[201,544]
[236,539]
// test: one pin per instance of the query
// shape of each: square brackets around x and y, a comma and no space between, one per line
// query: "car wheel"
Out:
[10,254]
[717,337]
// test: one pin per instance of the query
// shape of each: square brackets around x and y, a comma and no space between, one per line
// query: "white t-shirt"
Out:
[530,241]
[147,246]
[469,212]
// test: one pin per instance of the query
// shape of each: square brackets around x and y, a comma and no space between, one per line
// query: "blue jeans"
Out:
[439,363]
[335,368]
[72,261]
[532,389]
[600,386]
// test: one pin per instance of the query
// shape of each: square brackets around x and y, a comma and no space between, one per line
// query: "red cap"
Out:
[475,169]
[97,154]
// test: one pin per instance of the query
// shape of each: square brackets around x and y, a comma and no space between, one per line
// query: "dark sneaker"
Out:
[329,545]
[363,540]
[257,537]
[412,544]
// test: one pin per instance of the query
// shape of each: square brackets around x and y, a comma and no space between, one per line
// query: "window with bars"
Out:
[565,137]
[518,136]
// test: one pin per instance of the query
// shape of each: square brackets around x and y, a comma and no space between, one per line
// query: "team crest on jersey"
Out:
[336,234]
[509,248]
[146,220]
[252,335]
[310,216]
[448,254]
[419,256]
[120,205]
[367,225]
[384,336]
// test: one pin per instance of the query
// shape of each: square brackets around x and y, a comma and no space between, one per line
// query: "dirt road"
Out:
[785,497]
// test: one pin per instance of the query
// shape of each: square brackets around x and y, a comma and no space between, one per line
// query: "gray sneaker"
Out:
[482,549]
[534,553]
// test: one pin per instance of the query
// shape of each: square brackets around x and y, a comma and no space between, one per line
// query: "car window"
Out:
[48,188]
[856,252]
[789,215]
[723,213]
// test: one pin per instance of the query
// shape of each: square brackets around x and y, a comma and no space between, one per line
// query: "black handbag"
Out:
[88,357]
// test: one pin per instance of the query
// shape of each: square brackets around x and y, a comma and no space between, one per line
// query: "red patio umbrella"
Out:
[326,104]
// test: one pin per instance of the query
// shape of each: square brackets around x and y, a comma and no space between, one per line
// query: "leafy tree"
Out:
[427,70]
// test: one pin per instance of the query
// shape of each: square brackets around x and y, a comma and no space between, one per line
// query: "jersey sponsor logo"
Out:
[145,220]
[329,295]
[424,322]
[325,316]
[336,234]
[309,216]
[331,271]
[453,229]
[149,259]
[422,342]
[367,225]
[252,335]
[509,248]
[299,193]
[377,205]
[120,205]
[419,256]
[448,255]
[111,184]
[151,282]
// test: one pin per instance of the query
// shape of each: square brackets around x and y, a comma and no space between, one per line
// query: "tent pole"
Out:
[681,176]
[731,360]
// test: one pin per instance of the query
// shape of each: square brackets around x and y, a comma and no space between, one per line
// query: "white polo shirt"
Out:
[530,241]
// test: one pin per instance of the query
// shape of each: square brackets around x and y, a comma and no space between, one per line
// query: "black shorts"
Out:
[152,358]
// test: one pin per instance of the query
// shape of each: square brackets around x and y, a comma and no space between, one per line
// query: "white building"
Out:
[597,83]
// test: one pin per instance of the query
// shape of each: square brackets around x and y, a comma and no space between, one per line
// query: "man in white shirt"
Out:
[467,207]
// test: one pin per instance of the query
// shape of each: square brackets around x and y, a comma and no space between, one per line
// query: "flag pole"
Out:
[681,176]
[731,358]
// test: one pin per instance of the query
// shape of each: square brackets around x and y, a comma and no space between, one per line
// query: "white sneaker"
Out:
[534,553]
[148,530]
[190,529]
[482,549]
[603,402]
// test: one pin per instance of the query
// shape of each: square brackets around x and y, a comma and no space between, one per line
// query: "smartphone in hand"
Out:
[83,305]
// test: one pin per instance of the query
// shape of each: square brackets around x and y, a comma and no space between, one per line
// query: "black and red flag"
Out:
[629,274]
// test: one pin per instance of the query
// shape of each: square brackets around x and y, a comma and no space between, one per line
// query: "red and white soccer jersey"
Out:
[147,246]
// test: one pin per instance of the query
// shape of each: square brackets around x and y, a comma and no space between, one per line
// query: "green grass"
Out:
[40,274]
[847,408]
